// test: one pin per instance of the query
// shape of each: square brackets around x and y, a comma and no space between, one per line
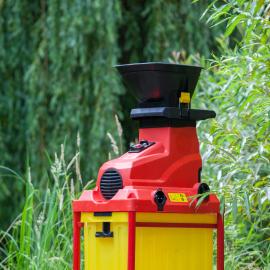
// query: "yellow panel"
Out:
[156,248]
[173,248]
[105,253]
[176,218]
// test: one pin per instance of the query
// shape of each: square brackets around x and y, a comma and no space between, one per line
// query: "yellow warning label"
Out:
[178,197]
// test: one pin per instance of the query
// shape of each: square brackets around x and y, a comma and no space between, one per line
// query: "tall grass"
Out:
[41,237]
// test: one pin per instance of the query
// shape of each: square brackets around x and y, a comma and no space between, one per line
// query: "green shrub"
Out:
[57,77]
[236,145]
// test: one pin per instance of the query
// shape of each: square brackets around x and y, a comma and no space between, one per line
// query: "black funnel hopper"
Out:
[157,87]
[159,84]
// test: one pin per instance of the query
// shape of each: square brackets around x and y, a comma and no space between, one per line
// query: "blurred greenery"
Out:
[57,76]
[56,59]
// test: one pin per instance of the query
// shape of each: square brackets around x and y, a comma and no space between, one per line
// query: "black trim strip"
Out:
[102,214]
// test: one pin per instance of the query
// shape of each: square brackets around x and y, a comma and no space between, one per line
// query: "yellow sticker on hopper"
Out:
[178,197]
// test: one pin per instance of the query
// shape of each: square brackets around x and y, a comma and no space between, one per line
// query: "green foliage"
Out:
[57,77]
[58,81]
[236,146]
[171,25]
[56,64]
[40,238]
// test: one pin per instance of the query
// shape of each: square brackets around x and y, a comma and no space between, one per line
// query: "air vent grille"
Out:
[110,183]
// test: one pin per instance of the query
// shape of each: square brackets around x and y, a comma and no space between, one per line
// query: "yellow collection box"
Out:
[163,241]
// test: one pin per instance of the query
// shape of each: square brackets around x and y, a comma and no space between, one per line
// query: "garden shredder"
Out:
[149,209]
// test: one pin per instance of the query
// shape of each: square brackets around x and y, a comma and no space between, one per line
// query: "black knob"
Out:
[160,199]
[144,142]
[204,188]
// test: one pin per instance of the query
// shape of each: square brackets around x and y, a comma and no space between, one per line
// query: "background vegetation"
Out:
[57,78]
[56,59]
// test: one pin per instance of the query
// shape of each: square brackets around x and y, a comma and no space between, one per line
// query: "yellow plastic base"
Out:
[105,253]
[156,248]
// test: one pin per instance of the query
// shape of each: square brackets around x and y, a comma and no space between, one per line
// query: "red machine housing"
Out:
[177,164]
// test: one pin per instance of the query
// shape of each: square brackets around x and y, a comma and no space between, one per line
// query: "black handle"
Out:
[106,227]
[172,113]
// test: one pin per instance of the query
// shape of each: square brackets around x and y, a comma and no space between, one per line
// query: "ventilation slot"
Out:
[110,183]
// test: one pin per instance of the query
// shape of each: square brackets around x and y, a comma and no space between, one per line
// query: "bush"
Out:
[236,145]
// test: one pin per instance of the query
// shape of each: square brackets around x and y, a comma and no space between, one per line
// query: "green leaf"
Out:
[234,208]
[247,204]
[233,22]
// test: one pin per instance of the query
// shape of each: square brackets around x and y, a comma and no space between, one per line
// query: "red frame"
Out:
[76,240]
[131,240]
[132,224]
[220,242]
